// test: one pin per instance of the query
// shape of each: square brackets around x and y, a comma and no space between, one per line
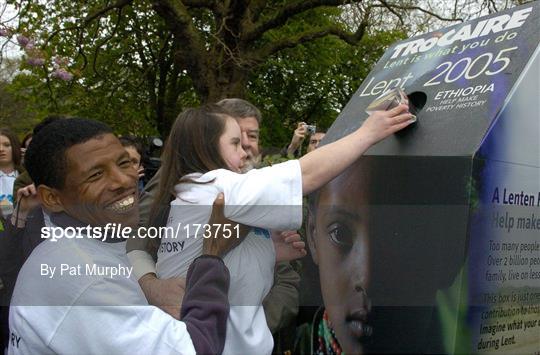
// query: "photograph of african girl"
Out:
[387,242]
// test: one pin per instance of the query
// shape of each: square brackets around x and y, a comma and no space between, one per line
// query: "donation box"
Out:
[443,218]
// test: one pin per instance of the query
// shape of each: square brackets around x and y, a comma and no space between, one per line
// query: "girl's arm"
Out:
[325,163]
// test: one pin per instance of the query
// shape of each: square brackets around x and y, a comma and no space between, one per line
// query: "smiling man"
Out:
[85,179]
[99,186]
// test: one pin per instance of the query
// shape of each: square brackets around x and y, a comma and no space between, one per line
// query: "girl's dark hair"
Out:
[192,147]
[15,147]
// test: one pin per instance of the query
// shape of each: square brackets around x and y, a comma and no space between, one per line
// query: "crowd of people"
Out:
[197,291]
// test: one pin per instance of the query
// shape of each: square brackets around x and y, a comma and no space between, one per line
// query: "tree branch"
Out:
[81,52]
[104,41]
[419,8]
[230,22]
[178,20]
[236,16]
[391,9]
[117,5]
[494,6]
[256,7]
[291,42]
[9,19]
[198,4]
[139,31]
[49,87]
[284,14]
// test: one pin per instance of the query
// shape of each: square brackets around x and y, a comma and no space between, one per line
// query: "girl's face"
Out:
[6,153]
[340,245]
[230,146]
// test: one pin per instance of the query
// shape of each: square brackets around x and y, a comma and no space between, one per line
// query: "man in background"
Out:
[303,130]
[314,141]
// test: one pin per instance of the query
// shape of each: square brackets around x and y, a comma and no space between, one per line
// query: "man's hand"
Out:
[298,137]
[167,294]
[289,245]
[27,199]
[30,194]
[218,245]
[299,133]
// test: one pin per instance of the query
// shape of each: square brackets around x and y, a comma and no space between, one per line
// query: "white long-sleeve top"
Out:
[267,198]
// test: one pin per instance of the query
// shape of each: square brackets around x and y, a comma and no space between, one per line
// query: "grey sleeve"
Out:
[281,303]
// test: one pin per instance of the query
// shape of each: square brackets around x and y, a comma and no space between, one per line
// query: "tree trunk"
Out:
[224,81]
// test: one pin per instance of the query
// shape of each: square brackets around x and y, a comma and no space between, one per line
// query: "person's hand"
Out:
[140,171]
[288,245]
[218,244]
[166,294]
[381,124]
[299,133]
[30,193]
[27,199]
[298,137]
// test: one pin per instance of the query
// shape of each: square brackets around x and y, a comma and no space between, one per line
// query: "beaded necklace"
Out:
[328,343]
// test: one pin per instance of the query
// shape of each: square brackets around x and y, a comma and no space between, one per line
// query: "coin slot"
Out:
[417,101]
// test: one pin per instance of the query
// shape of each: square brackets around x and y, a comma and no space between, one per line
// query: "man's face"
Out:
[134,156]
[340,235]
[314,141]
[101,183]
[249,128]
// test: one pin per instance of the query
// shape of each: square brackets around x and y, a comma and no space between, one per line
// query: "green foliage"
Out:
[130,72]
[15,110]
[312,82]
[273,159]
[117,80]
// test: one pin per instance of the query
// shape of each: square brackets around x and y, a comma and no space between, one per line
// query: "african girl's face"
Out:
[340,246]
[382,248]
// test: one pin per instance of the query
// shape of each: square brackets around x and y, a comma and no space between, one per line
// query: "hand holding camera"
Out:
[311,129]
